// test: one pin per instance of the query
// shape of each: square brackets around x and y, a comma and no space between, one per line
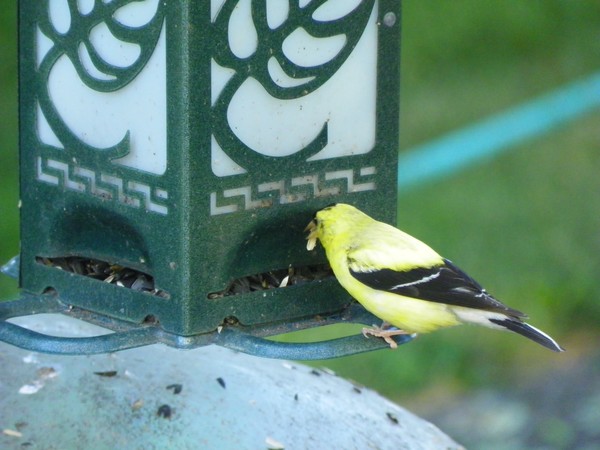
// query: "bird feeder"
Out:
[171,154]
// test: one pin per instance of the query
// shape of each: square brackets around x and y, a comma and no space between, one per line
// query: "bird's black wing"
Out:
[441,284]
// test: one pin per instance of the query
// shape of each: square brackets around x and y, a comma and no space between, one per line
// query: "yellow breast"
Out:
[409,314]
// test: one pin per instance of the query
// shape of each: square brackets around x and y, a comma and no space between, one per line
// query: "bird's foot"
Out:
[385,333]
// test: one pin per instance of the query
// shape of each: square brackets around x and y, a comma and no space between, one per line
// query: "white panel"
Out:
[86,61]
[335,9]
[243,39]
[271,126]
[85,6]
[308,51]
[219,77]
[45,133]
[112,50]
[103,119]
[43,46]
[352,124]
[215,7]
[60,16]
[346,103]
[221,164]
[281,78]
[352,93]
[277,12]
[136,14]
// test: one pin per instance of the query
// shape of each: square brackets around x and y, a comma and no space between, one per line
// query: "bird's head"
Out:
[333,220]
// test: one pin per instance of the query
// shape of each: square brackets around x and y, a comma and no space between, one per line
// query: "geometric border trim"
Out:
[292,190]
[101,184]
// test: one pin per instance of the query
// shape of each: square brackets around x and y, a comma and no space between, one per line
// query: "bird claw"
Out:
[385,334]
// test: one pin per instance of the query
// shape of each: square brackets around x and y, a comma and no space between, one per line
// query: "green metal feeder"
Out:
[171,153]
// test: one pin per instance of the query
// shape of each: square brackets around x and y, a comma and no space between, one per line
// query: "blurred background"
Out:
[525,223]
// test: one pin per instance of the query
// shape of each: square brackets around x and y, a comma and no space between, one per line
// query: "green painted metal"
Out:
[168,211]
[246,339]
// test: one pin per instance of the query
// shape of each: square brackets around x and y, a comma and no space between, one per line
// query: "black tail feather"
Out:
[529,332]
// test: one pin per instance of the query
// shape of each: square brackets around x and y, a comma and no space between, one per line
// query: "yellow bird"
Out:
[404,282]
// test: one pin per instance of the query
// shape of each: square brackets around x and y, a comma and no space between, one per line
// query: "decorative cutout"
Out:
[291,82]
[276,100]
[101,81]
[296,189]
[104,185]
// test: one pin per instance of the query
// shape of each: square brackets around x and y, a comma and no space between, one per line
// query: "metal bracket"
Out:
[125,335]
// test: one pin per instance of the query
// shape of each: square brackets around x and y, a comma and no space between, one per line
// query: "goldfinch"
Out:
[404,282]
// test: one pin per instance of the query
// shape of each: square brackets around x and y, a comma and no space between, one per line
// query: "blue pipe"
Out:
[459,149]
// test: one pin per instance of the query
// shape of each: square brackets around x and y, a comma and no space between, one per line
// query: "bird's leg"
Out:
[385,333]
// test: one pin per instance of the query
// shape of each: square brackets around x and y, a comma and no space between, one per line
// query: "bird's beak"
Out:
[312,235]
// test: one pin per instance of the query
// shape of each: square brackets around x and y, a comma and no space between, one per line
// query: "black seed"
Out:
[106,373]
[164,411]
[392,417]
[176,388]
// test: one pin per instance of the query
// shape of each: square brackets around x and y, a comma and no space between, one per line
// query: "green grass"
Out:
[465,59]
[526,224]
[9,236]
